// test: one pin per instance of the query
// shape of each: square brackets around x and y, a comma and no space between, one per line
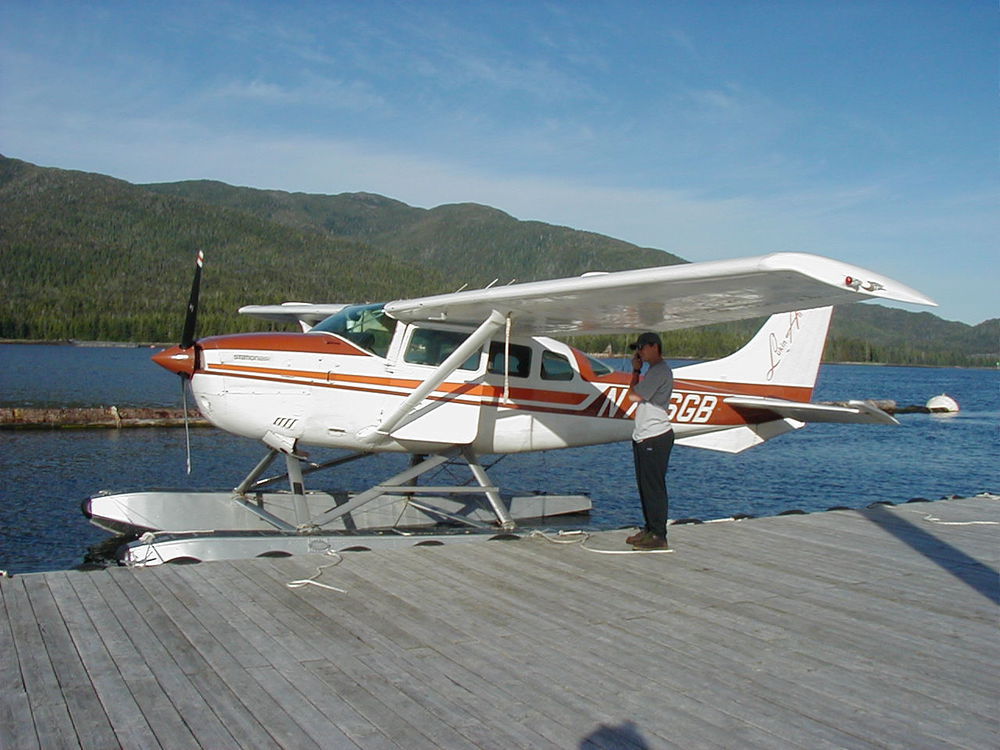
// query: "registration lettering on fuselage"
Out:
[691,408]
[685,407]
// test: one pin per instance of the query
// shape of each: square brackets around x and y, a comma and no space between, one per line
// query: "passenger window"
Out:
[519,362]
[430,347]
[555,367]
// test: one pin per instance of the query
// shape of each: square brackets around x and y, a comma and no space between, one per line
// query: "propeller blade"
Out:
[191,319]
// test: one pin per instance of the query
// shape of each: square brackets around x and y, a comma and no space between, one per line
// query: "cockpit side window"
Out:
[432,347]
[365,325]
[555,367]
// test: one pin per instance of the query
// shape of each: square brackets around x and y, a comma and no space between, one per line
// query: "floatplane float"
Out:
[454,377]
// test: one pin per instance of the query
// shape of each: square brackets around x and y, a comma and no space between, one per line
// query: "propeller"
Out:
[191,318]
[183,358]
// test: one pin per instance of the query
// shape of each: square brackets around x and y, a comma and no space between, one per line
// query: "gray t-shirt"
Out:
[654,389]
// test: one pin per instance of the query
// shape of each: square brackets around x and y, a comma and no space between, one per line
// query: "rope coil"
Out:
[311,580]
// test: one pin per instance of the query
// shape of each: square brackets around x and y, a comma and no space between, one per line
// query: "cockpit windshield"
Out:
[365,325]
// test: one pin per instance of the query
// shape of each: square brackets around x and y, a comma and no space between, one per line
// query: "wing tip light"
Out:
[861,280]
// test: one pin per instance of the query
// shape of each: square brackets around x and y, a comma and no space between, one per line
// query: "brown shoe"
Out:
[637,536]
[652,542]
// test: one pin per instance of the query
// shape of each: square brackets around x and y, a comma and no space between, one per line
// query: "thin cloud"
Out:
[324,93]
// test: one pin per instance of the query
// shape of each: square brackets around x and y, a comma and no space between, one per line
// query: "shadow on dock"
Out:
[624,735]
[970,571]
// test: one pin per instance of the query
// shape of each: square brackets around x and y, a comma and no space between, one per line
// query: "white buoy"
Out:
[944,404]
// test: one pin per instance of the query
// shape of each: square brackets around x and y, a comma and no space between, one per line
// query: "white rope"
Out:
[311,580]
[934,519]
[506,361]
[581,537]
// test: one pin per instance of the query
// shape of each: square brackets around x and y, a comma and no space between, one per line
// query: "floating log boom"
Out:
[113,417]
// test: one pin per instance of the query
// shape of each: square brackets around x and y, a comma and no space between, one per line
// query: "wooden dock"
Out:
[846,629]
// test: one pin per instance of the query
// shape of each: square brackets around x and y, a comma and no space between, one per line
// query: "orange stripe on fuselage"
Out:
[789,392]
[381,384]
[307,343]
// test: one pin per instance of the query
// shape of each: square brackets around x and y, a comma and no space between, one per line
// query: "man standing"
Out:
[652,439]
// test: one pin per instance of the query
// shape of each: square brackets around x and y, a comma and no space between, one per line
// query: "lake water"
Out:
[46,474]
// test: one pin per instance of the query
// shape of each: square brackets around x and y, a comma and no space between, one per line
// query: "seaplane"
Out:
[455,377]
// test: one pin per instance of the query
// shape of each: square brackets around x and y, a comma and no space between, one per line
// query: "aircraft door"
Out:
[450,413]
[508,377]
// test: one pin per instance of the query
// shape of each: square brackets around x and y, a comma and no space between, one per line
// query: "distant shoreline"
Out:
[89,344]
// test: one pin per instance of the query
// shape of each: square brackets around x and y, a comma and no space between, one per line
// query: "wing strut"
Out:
[490,326]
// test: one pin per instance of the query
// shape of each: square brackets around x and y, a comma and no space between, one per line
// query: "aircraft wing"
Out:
[304,313]
[855,412]
[663,298]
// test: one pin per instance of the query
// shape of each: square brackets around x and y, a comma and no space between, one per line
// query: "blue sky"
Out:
[865,131]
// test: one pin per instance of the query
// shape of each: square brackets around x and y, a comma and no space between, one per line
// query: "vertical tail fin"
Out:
[785,352]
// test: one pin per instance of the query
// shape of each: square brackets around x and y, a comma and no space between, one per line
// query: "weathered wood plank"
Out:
[846,687]
[49,712]
[93,728]
[243,715]
[359,694]
[319,729]
[422,680]
[123,713]
[901,622]
[16,727]
[285,615]
[178,714]
[352,612]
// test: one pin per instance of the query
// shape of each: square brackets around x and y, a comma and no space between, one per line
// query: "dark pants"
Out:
[651,459]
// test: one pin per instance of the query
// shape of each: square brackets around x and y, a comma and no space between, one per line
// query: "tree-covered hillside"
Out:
[90,257]
[470,243]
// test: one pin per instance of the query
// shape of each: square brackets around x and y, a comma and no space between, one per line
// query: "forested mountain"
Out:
[87,256]
[90,257]
[466,241]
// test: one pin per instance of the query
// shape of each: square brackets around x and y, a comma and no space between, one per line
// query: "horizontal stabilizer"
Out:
[856,412]
[739,439]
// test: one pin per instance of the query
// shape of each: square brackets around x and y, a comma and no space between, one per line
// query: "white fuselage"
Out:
[321,389]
